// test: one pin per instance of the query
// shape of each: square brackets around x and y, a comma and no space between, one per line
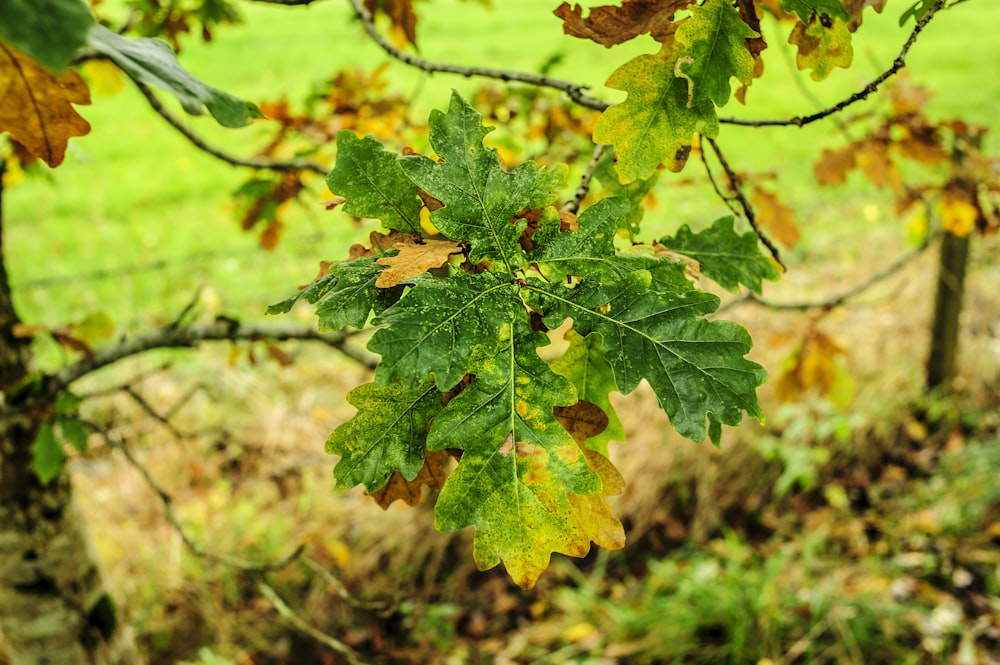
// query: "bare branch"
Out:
[864,93]
[383,607]
[574,91]
[840,299]
[191,335]
[581,192]
[198,142]
[287,3]
[168,509]
[748,211]
[285,611]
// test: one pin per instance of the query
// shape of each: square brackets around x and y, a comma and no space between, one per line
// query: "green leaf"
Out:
[480,198]
[655,123]
[346,296]
[725,256]
[73,432]
[434,328]
[388,434]
[634,191]
[916,12]
[585,365]
[67,404]
[714,51]
[47,454]
[652,329]
[589,248]
[153,62]
[518,465]
[374,184]
[810,9]
[49,31]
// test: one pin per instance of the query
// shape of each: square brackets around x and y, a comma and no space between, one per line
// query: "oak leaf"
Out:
[658,120]
[714,51]
[822,46]
[432,474]
[413,259]
[609,25]
[37,105]
[401,15]
[873,160]
[959,212]
[833,165]
[775,216]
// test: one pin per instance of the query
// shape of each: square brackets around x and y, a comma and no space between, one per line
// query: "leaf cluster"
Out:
[477,266]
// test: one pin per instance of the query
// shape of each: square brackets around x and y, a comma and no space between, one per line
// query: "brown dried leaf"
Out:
[37,106]
[401,15]
[856,8]
[873,160]
[582,420]
[380,241]
[413,259]
[775,216]
[833,165]
[433,474]
[609,25]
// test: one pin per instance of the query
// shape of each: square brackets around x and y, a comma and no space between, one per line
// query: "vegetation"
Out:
[581,258]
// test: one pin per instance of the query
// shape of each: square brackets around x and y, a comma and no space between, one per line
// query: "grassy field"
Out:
[825,536]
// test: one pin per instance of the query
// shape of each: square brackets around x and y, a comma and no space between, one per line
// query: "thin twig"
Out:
[842,298]
[574,91]
[198,142]
[197,550]
[741,198]
[191,335]
[287,3]
[864,93]
[152,412]
[588,175]
[380,606]
[298,622]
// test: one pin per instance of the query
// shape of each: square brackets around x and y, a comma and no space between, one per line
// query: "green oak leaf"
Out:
[374,184]
[651,325]
[714,51]
[634,191]
[655,124]
[585,365]
[725,256]
[49,31]
[518,465]
[389,433]
[480,198]
[436,325]
[822,47]
[589,248]
[810,9]
[347,295]
[153,62]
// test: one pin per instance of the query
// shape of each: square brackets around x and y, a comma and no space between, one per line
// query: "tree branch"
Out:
[864,93]
[168,509]
[198,142]
[191,335]
[588,174]
[741,198]
[837,300]
[574,91]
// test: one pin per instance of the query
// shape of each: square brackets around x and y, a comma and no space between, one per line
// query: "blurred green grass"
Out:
[137,220]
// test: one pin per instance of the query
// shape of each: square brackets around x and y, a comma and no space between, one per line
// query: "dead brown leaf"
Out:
[582,420]
[775,216]
[37,106]
[433,474]
[609,25]
[413,259]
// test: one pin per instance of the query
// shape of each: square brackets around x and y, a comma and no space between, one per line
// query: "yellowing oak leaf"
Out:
[37,106]
[823,45]
[401,15]
[593,513]
[873,160]
[657,121]
[413,259]
[833,165]
[814,367]
[609,25]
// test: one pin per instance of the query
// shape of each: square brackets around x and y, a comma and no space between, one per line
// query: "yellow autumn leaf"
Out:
[37,106]
[413,259]
[822,48]
[958,215]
